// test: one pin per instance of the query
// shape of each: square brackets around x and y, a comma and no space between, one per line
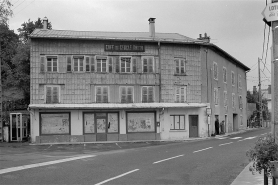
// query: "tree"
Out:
[5,11]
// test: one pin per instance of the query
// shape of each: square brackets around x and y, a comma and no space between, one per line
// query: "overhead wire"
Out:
[24,7]
[18,4]
[266,48]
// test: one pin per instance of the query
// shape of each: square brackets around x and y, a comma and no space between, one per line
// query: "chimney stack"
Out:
[152,27]
[204,38]
[45,23]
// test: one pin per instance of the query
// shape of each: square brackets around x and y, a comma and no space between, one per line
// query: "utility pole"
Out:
[260,93]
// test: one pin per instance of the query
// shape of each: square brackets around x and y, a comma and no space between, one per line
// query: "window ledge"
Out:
[178,130]
[176,74]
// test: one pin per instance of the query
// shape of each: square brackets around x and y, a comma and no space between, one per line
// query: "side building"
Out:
[91,86]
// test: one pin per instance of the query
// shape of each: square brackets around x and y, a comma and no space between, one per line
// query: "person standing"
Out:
[216,126]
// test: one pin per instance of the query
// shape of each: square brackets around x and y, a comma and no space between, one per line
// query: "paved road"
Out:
[211,161]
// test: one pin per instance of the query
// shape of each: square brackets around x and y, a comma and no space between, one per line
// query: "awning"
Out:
[118,106]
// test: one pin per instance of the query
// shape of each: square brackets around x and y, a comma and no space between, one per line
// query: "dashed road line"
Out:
[236,138]
[264,134]
[222,137]
[117,177]
[202,150]
[167,159]
[247,138]
[225,144]
[24,167]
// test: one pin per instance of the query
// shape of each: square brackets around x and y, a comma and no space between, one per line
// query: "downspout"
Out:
[206,50]
[159,64]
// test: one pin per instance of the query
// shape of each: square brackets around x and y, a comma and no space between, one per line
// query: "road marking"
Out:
[48,147]
[226,144]
[236,138]
[202,149]
[167,159]
[247,138]
[117,177]
[222,138]
[264,134]
[24,167]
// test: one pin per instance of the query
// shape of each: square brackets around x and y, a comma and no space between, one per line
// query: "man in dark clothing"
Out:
[216,127]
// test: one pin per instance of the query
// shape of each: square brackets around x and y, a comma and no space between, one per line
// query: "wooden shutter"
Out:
[145,65]
[110,64]
[98,94]
[55,95]
[117,65]
[150,65]
[92,64]
[123,94]
[129,95]
[144,94]
[69,64]
[150,97]
[87,61]
[42,63]
[48,94]
[156,59]
[134,66]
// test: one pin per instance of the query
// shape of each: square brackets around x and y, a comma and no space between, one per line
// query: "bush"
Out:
[264,151]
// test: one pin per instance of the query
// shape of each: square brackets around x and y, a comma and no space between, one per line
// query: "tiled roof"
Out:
[143,36]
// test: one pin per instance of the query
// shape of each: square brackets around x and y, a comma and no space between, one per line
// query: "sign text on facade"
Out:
[124,47]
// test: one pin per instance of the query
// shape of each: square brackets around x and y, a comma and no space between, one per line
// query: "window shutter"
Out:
[69,64]
[182,67]
[117,65]
[92,64]
[150,65]
[144,94]
[55,95]
[134,61]
[123,95]
[42,64]
[87,59]
[48,94]
[150,98]
[98,94]
[145,65]
[110,66]
[129,95]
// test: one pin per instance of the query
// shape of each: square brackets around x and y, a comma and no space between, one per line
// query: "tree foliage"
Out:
[5,11]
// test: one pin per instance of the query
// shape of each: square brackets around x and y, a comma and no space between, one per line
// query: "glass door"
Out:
[101,131]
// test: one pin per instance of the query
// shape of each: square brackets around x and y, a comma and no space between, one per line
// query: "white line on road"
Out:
[264,134]
[24,167]
[236,138]
[247,138]
[202,149]
[226,144]
[167,159]
[117,177]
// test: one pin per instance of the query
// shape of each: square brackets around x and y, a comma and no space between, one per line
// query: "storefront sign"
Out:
[270,12]
[124,47]
[208,111]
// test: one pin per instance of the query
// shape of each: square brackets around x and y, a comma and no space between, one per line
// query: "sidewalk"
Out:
[247,178]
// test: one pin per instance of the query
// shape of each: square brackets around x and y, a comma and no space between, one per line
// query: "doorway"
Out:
[235,122]
[193,125]
[101,123]
[226,124]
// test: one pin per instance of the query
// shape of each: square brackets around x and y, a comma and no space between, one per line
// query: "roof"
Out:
[128,36]
[117,106]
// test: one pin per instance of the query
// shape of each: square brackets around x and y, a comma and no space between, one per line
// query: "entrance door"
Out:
[193,125]
[101,121]
[235,123]
[15,127]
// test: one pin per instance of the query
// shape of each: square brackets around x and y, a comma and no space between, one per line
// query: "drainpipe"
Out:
[209,117]
[159,61]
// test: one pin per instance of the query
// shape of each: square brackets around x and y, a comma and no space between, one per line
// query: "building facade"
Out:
[113,86]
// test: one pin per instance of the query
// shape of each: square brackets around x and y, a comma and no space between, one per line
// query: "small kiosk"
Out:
[19,126]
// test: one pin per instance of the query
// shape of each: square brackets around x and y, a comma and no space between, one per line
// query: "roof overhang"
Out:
[118,106]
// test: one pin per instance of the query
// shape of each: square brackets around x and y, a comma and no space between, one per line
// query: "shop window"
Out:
[147,94]
[126,94]
[233,78]
[101,64]
[177,122]
[215,71]
[52,94]
[180,96]
[216,97]
[224,74]
[55,123]
[233,100]
[141,122]
[148,64]
[102,94]
[49,64]
[180,66]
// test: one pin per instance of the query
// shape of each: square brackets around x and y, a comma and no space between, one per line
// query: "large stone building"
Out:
[114,86]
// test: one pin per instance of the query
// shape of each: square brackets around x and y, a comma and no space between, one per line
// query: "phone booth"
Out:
[19,126]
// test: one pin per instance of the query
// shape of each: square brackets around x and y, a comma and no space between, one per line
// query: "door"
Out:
[193,125]
[226,124]
[235,123]
[101,131]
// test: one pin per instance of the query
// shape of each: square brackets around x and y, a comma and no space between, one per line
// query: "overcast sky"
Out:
[236,26]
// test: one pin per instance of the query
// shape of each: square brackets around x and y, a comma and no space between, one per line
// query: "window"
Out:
[215,71]
[215,96]
[239,81]
[78,63]
[126,94]
[148,64]
[240,102]
[180,66]
[126,65]
[102,94]
[233,100]
[224,74]
[225,98]
[233,78]
[141,122]
[180,94]
[147,94]
[101,64]
[87,68]
[177,122]
[52,94]
[57,123]
[51,64]
[110,64]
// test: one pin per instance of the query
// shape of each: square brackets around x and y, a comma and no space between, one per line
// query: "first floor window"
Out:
[126,64]
[240,102]
[148,64]
[239,81]
[224,74]
[51,64]
[78,63]
[101,64]
[233,78]
[215,96]
[215,71]
[52,94]
[126,94]
[177,122]
[147,94]
[180,66]
[180,94]
[233,100]
[225,98]
[102,94]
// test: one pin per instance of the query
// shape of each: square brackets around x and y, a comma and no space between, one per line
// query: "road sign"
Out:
[270,12]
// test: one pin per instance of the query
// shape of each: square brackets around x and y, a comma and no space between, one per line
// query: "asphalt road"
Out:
[212,161]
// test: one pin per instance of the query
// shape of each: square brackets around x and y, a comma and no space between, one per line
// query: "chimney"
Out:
[45,23]
[269,89]
[151,27]
[254,89]
[205,38]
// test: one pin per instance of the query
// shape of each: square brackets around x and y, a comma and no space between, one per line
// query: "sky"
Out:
[235,26]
